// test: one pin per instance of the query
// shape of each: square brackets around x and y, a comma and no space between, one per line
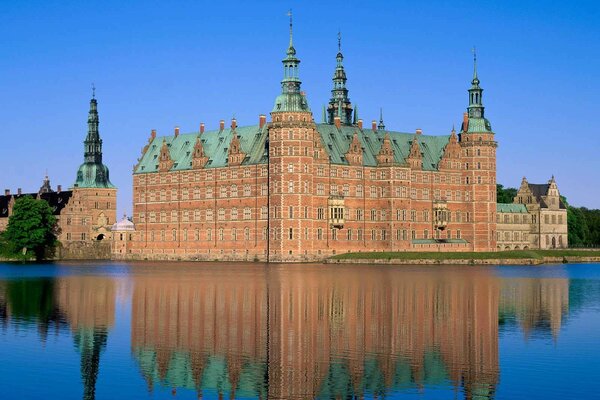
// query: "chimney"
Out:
[360,124]
[262,120]
[7,192]
[201,127]
[337,121]
[176,131]
[221,125]
[419,131]
[465,122]
[374,125]
[58,188]
[153,133]
[19,191]
[233,123]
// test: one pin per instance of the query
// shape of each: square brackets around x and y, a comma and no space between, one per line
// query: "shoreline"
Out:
[468,261]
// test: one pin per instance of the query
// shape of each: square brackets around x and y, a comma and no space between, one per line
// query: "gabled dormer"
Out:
[451,152]
[415,158]
[235,155]
[385,157]
[354,156]
[165,162]
[199,159]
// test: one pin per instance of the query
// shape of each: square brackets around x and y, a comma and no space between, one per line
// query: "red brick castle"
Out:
[292,189]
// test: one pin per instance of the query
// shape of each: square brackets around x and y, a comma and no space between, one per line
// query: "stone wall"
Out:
[84,250]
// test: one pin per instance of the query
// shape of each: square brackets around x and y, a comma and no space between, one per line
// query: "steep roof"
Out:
[252,139]
[541,189]
[511,208]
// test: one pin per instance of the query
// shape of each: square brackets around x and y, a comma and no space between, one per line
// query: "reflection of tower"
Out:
[89,306]
[90,342]
[537,304]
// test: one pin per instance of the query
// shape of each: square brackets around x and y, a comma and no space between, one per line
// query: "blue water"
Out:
[217,330]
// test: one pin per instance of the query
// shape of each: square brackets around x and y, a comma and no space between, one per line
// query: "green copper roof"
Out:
[337,142]
[511,208]
[478,125]
[252,139]
[215,145]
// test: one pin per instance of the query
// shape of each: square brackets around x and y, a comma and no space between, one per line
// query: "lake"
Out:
[221,331]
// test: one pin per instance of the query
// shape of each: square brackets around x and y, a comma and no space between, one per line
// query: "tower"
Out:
[94,195]
[479,173]
[339,104]
[290,144]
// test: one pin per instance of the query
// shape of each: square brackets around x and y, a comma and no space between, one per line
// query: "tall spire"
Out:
[339,93]
[476,109]
[92,173]
[291,98]
[291,30]
[381,125]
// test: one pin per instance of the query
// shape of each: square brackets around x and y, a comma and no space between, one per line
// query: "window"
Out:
[221,215]
[264,189]
[373,215]
[247,213]
[223,191]
[359,215]
[264,212]
[346,190]
[320,189]
[359,234]
[334,234]
[359,191]
[221,234]
[234,214]
[247,190]
[320,213]
[234,234]
[234,191]
[349,234]
[209,234]
[246,233]
[319,234]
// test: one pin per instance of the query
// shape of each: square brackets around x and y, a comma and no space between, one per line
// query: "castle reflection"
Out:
[320,332]
[83,304]
[296,331]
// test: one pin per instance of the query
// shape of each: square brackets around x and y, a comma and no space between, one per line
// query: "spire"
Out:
[45,188]
[324,115]
[92,173]
[475,109]
[291,98]
[339,93]
[355,118]
[291,31]
[381,125]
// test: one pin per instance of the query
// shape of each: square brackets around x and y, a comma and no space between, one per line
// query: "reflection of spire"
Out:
[90,343]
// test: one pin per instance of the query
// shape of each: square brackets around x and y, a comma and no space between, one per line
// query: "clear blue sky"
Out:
[162,64]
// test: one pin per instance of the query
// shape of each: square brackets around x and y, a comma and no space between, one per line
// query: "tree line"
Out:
[584,224]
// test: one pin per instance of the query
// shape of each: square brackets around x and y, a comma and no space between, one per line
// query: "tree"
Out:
[31,227]
[505,195]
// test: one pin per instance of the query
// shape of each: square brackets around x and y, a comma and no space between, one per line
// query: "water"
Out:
[217,330]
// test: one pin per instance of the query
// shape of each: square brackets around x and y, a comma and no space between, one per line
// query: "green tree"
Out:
[31,228]
[505,195]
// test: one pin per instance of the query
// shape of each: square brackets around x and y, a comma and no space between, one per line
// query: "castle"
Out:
[85,212]
[292,189]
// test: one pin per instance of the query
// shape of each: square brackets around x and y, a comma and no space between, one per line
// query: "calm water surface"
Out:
[213,331]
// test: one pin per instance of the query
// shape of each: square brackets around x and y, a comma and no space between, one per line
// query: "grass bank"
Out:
[494,255]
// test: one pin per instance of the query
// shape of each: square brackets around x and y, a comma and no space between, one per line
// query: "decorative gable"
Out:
[199,159]
[165,162]
[385,157]
[415,158]
[451,152]
[355,152]
[235,156]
